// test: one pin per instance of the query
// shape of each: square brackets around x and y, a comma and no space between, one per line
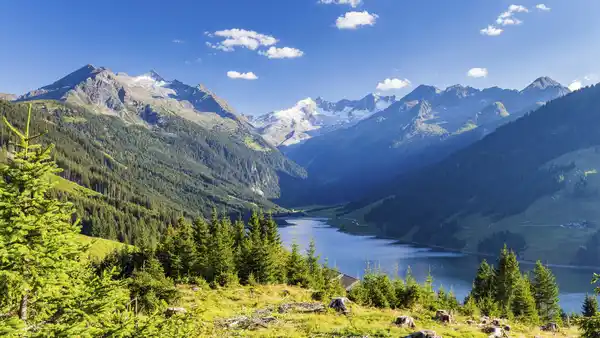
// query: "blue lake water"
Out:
[352,254]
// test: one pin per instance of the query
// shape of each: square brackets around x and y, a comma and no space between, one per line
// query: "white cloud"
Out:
[508,21]
[353,20]
[390,84]
[177,41]
[543,7]
[240,38]
[477,72]
[591,77]
[491,31]
[245,76]
[517,9]
[575,85]
[282,53]
[352,3]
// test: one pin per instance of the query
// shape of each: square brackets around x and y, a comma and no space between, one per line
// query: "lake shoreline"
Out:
[328,221]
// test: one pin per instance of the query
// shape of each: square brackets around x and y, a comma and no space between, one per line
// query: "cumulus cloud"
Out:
[244,76]
[177,41]
[506,18]
[543,7]
[282,53]
[477,72]
[491,31]
[591,77]
[575,85]
[391,84]
[352,3]
[236,37]
[353,20]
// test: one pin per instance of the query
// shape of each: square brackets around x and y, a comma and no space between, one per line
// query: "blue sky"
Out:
[426,41]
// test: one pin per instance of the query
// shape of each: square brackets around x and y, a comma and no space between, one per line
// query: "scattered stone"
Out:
[496,322]
[195,289]
[424,334]
[506,327]
[248,323]
[495,332]
[484,320]
[263,312]
[285,293]
[471,322]
[339,304]
[443,316]
[405,321]
[552,327]
[301,307]
[172,311]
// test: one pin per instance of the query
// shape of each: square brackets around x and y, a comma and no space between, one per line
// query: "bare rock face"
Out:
[301,307]
[424,334]
[339,304]
[405,321]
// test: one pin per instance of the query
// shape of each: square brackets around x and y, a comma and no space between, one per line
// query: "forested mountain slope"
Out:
[421,128]
[532,183]
[147,175]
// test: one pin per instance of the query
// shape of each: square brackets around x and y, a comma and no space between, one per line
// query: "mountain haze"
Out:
[421,128]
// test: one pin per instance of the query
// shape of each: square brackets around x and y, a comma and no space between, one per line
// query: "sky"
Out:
[265,55]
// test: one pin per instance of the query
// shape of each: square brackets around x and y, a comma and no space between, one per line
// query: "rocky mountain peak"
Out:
[543,83]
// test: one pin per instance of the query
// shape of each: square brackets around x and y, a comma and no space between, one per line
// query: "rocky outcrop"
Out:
[424,334]
[339,304]
[405,321]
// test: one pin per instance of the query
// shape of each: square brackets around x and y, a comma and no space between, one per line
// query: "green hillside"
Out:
[532,184]
[128,181]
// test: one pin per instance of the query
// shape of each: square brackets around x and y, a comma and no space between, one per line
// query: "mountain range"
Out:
[310,118]
[180,142]
[532,184]
[418,129]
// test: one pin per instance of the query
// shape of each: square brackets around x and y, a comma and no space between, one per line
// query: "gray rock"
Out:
[339,304]
[424,334]
[551,327]
[172,311]
[405,321]
[443,316]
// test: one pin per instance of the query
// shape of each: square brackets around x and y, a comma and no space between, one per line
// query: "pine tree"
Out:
[590,306]
[545,292]
[483,285]
[221,256]
[314,268]
[296,268]
[522,301]
[202,239]
[46,285]
[507,276]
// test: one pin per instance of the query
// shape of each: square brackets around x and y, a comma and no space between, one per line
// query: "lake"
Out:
[351,254]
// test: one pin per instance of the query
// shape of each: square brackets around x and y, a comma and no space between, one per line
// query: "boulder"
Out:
[424,334]
[506,327]
[484,320]
[339,304]
[172,311]
[471,322]
[551,327]
[405,321]
[496,322]
[443,316]
[247,323]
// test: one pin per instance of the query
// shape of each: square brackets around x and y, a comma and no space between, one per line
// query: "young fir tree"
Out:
[590,306]
[523,302]
[483,285]
[297,271]
[46,285]
[314,268]
[202,239]
[545,292]
[221,256]
[507,277]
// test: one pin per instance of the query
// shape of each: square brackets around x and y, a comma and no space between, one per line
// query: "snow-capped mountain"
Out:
[420,128]
[309,118]
[143,99]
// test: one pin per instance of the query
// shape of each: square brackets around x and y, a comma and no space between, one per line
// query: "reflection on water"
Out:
[353,254]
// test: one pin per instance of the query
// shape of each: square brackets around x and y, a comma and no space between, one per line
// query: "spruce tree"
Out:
[507,276]
[522,301]
[47,287]
[221,256]
[312,262]
[590,306]
[202,239]
[296,268]
[545,292]
[483,285]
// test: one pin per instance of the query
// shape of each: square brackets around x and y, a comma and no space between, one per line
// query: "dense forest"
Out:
[498,177]
[138,179]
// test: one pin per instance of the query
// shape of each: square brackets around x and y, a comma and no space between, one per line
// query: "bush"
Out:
[150,289]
